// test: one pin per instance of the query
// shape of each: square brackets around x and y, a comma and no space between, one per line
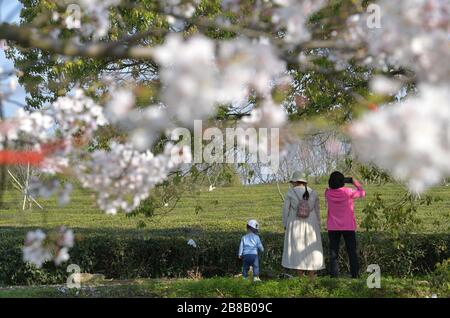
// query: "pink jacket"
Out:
[341,214]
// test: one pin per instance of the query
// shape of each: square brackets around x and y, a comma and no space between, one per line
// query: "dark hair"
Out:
[306,194]
[255,231]
[336,180]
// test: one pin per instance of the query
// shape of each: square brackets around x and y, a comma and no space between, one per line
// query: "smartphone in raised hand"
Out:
[348,180]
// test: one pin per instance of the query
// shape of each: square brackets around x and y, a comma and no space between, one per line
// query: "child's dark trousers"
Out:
[250,260]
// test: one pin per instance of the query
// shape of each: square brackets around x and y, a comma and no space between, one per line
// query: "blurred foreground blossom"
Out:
[78,113]
[123,176]
[385,86]
[178,155]
[270,117]
[31,126]
[413,34]
[189,79]
[46,189]
[245,66]
[197,80]
[40,248]
[293,15]
[98,12]
[121,103]
[411,139]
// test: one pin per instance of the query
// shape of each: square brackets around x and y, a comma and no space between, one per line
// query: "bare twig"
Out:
[279,192]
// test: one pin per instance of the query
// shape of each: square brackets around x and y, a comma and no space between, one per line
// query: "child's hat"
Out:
[253,224]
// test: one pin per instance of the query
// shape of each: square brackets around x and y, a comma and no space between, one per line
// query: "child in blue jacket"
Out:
[248,250]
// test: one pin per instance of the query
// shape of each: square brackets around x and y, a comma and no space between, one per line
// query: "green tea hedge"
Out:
[122,257]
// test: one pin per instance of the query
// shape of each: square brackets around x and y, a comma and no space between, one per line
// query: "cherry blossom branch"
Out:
[30,38]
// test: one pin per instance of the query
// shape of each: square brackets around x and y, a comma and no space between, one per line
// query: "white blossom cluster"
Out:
[245,66]
[384,85]
[26,126]
[77,114]
[293,16]
[196,80]
[413,34]
[120,105]
[123,176]
[232,5]
[46,189]
[144,126]
[411,139]
[184,8]
[188,76]
[177,10]
[71,115]
[40,248]
[54,163]
[269,115]
[97,11]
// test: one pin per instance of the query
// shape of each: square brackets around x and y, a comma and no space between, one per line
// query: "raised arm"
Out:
[359,192]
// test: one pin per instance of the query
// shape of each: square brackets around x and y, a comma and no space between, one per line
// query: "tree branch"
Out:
[27,37]
[30,38]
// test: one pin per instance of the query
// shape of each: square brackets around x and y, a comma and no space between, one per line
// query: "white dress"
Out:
[302,240]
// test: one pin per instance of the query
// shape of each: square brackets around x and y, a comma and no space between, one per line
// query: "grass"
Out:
[226,287]
[224,209]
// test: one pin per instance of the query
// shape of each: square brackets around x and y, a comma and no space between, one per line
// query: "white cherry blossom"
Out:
[413,34]
[188,77]
[293,16]
[78,113]
[120,104]
[34,127]
[98,12]
[122,177]
[34,250]
[40,248]
[411,139]
[244,66]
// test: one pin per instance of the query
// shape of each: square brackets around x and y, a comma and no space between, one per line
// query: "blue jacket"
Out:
[250,244]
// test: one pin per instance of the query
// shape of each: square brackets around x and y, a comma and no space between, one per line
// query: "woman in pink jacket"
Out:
[341,220]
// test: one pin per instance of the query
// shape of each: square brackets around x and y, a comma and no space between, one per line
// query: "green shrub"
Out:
[123,257]
[440,278]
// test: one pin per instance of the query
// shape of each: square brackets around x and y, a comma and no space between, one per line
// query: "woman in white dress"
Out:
[302,241]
